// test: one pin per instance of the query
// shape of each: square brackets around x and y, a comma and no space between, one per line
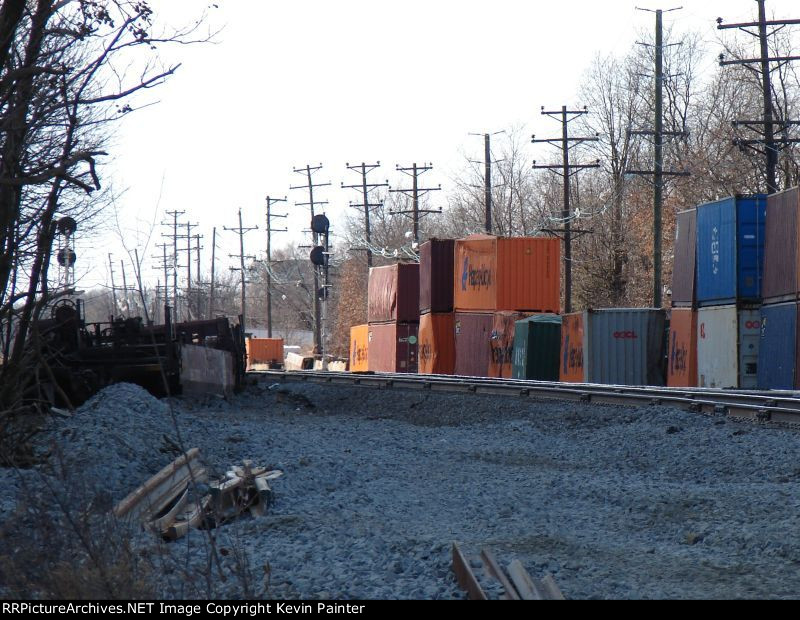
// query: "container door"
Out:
[777,347]
[717,351]
[749,337]
[407,349]
[751,217]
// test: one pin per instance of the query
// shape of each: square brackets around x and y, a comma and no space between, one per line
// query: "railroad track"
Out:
[776,407]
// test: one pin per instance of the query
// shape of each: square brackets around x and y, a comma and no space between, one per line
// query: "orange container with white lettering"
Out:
[359,348]
[682,360]
[495,273]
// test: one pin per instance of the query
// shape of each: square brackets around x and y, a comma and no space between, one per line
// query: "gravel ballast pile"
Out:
[614,502]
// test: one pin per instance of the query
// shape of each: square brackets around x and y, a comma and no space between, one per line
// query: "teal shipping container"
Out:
[537,348]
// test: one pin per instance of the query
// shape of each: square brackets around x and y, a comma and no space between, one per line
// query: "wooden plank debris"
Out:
[493,569]
[466,578]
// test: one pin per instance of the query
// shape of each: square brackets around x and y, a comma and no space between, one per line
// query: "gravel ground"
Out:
[614,502]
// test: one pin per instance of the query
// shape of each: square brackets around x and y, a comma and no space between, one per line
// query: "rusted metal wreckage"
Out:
[169,359]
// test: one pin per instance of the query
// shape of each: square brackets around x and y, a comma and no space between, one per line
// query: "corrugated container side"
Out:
[777,355]
[437,348]
[537,347]
[683,269]
[475,274]
[626,346]
[529,274]
[730,250]
[264,350]
[717,350]
[572,368]
[501,344]
[359,348]
[393,294]
[436,276]
[682,359]
[472,332]
[393,347]
[781,251]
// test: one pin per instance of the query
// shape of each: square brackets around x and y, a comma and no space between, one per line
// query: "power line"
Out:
[241,231]
[565,116]
[270,230]
[366,205]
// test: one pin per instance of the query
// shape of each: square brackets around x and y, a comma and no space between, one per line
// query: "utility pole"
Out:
[197,248]
[658,173]
[768,144]
[241,231]
[113,286]
[165,266]
[415,192]
[213,261]
[174,215]
[487,176]
[566,170]
[188,249]
[366,205]
[310,186]
[270,215]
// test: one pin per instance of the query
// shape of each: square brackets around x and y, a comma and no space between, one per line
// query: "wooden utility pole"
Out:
[415,192]
[768,145]
[365,204]
[213,260]
[566,170]
[241,231]
[270,230]
[113,285]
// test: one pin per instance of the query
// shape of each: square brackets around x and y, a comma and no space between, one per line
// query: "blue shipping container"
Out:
[730,250]
[777,353]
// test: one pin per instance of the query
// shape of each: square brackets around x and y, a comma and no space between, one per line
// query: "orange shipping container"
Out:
[501,343]
[264,351]
[437,346]
[682,362]
[496,273]
[571,368]
[359,346]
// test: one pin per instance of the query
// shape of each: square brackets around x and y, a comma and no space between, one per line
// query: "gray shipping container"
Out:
[727,347]
[625,346]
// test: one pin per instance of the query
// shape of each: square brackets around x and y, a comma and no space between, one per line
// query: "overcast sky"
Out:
[335,81]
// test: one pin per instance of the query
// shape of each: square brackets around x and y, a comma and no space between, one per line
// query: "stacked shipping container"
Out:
[682,355]
[497,281]
[436,329]
[393,313]
[779,348]
[730,260]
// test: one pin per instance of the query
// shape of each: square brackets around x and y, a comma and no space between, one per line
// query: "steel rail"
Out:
[780,407]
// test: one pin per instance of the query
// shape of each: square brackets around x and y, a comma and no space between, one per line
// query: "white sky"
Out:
[335,81]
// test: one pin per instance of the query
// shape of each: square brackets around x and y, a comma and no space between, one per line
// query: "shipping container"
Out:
[393,294]
[437,347]
[472,332]
[393,347]
[727,347]
[682,359]
[684,262]
[778,348]
[495,273]
[618,346]
[264,351]
[537,344]
[782,248]
[359,348]
[501,344]
[436,276]
[730,250]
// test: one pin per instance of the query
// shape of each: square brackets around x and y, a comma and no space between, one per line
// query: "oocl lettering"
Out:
[625,336]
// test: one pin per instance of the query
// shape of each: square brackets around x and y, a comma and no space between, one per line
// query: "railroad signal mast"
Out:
[312,203]
[768,144]
[320,258]
[415,192]
[565,116]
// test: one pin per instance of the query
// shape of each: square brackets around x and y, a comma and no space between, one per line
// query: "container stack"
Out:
[730,259]
[613,347]
[393,314]
[778,347]
[264,353]
[436,323]
[682,353]
[496,282]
